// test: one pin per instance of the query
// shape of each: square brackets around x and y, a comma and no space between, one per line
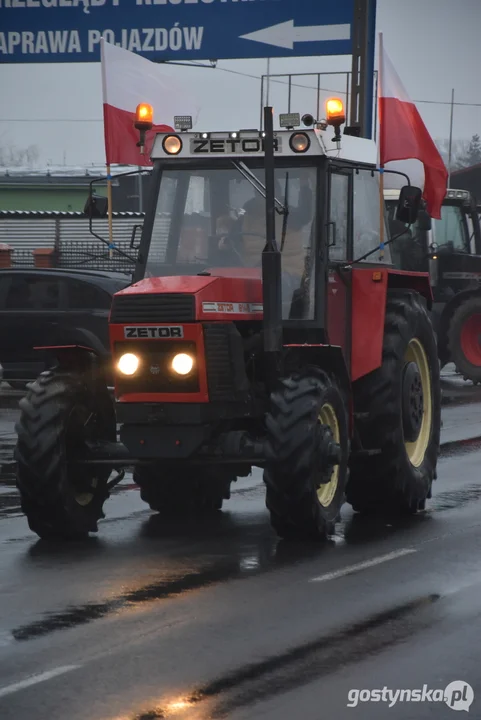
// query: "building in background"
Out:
[468,178]
[63,189]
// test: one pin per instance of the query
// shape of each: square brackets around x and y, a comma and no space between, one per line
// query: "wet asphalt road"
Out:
[221,620]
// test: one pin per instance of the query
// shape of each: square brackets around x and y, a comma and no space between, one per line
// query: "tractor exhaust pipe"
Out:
[271,260]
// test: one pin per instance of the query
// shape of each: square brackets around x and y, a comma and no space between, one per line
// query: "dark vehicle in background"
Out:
[40,307]
[450,250]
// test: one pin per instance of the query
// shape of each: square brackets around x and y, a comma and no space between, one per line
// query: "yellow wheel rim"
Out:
[85,498]
[416,450]
[326,493]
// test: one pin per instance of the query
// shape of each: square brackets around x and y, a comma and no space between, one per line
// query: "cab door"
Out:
[339,239]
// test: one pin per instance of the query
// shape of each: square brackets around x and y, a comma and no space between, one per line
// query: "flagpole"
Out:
[107,163]
[450,151]
[268,79]
[381,167]
[110,218]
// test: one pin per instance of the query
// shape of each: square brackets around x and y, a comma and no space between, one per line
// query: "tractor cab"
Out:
[208,217]
[448,248]
[206,222]
[444,247]
[458,230]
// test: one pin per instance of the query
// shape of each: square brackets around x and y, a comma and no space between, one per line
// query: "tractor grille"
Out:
[218,357]
[158,308]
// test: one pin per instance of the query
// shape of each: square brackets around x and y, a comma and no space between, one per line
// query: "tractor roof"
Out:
[451,194]
[244,144]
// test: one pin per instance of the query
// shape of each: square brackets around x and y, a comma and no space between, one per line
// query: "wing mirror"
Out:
[97,206]
[424,221]
[409,204]
[133,246]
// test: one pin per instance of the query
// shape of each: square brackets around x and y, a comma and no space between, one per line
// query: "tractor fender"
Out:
[370,288]
[329,358]
[81,358]
[81,341]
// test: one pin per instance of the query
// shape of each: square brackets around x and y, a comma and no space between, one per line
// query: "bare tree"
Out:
[473,155]
[12,156]
[459,152]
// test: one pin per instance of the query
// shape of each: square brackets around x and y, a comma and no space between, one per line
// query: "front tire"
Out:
[308,449]
[464,339]
[398,408]
[58,415]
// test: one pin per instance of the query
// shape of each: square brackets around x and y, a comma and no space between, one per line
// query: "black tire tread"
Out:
[388,482]
[291,497]
[463,366]
[41,462]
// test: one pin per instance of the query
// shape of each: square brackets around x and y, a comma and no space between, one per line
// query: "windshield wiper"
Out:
[257,185]
[286,213]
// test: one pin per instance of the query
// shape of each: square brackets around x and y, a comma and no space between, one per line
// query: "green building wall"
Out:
[54,197]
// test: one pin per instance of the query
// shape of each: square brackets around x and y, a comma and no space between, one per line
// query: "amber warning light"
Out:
[335,111]
[144,120]
[144,116]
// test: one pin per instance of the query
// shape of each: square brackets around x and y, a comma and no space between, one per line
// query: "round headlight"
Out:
[128,364]
[172,144]
[182,363]
[299,142]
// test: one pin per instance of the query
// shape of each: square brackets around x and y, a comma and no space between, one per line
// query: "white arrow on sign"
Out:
[284,34]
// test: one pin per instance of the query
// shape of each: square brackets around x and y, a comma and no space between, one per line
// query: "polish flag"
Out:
[404,136]
[128,80]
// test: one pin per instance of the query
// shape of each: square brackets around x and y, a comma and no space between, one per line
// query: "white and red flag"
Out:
[404,136]
[128,80]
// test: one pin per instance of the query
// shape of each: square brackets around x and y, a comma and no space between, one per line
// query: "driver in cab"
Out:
[247,236]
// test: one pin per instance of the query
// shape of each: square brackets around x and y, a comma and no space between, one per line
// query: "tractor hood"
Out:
[229,294]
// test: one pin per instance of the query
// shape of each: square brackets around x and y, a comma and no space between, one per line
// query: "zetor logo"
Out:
[154,331]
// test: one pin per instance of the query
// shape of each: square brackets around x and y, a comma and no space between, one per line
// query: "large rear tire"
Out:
[58,415]
[464,339]
[308,450]
[193,490]
[398,410]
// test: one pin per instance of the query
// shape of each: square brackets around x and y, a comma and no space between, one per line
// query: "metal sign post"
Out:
[362,73]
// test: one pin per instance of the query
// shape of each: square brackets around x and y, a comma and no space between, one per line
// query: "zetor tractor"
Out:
[450,250]
[251,337]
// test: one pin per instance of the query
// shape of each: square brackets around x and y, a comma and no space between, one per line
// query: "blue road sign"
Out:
[47,31]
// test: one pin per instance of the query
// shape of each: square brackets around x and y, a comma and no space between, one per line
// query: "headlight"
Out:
[299,142]
[172,144]
[128,364]
[182,363]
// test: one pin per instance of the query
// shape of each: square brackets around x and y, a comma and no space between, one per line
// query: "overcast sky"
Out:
[435,46]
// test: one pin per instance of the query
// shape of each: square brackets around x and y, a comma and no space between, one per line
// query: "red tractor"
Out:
[252,336]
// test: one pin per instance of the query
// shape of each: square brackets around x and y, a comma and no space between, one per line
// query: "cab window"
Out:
[338,216]
[33,293]
[366,218]
[83,296]
[451,228]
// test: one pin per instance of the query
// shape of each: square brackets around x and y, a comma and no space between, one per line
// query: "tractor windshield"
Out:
[451,230]
[209,218]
